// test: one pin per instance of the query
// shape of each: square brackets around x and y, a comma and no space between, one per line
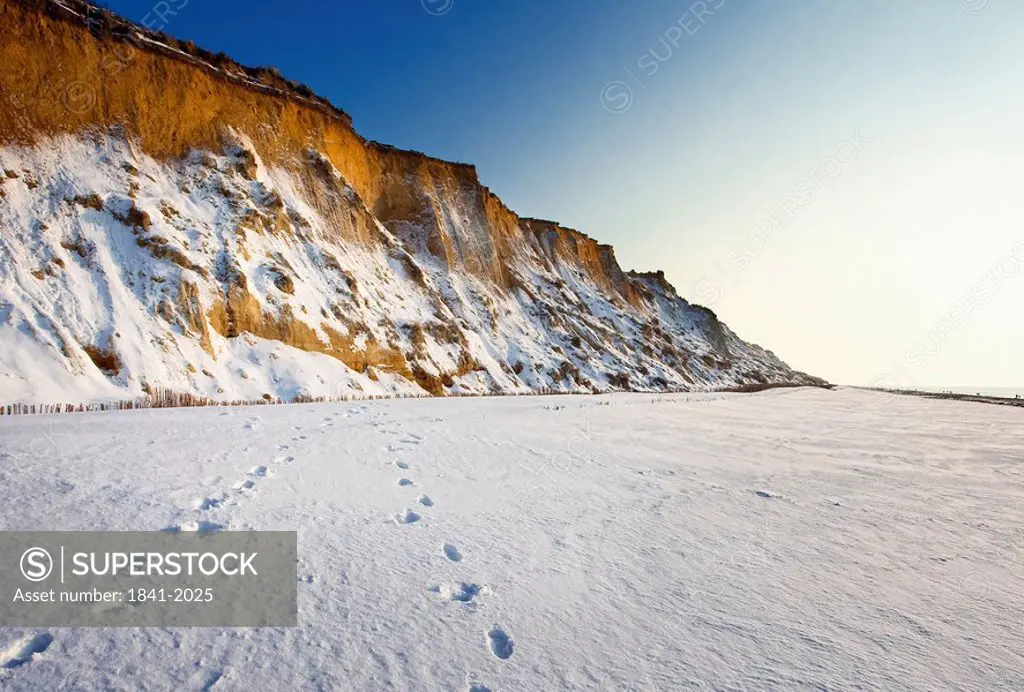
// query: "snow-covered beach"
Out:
[791,539]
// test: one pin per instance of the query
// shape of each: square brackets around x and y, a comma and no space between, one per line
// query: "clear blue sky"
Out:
[674,136]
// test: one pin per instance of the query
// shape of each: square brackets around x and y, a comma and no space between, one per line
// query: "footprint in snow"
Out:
[24,650]
[461,592]
[501,644]
[402,465]
[247,484]
[465,593]
[451,552]
[211,681]
[425,501]
[479,688]
[196,527]
[258,471]
[408,517]
[206,527]
[207,503]
[405,482]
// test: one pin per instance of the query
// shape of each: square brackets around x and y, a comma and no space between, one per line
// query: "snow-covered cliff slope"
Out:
[165,237]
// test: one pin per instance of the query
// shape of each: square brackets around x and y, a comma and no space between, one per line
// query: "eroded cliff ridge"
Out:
[171,219]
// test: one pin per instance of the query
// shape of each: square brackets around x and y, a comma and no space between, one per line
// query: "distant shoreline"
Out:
[955,396]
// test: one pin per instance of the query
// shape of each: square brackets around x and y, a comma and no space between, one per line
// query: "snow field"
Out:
[793,539]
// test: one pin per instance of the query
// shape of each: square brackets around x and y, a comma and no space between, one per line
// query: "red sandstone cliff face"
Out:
[280,188]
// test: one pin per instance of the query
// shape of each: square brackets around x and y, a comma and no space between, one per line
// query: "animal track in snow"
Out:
[451,552]
[24,650]
[258,471]
[408,517]
[502,645]
[404,465]
[404,482]
[247,484]
[425,501]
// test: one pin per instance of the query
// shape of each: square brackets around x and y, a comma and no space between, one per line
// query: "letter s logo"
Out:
[36,564]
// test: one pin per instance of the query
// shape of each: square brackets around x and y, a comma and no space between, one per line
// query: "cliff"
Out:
[170,218]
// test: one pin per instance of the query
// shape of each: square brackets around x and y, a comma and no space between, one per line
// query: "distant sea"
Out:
[1005,392]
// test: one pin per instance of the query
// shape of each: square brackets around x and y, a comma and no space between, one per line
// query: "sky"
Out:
[839,181]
